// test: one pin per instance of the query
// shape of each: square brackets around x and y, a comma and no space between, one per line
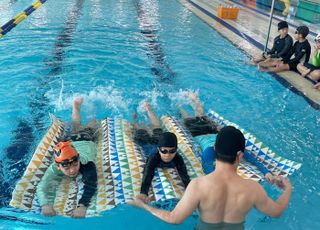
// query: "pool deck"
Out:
[249,31]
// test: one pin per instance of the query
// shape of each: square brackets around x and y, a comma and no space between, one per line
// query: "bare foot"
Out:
[77,102]
[317,86]
[147,106]
[193,96]
[305,73]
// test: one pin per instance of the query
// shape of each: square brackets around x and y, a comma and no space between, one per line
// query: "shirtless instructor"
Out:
[223,198]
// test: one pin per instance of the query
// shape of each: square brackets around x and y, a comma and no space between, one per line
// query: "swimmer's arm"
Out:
[253,160]
[182,170]
[273,208]
[184,208]
[148,174]
[46,189]
[89,178]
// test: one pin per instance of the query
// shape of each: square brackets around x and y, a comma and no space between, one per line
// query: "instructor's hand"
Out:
[139,200]
[283,182]
[269,178]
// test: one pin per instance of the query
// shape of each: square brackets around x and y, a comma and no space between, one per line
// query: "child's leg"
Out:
[154,120]
[317,86]
[134,119]
[280,68]
[304,71]
[184,114]
[76,118]
[198,106]
[269,63]
[257,60]
[315,75]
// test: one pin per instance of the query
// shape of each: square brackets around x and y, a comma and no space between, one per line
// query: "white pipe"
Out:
[270,21]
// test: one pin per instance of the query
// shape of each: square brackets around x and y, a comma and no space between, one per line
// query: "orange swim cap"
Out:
[65,151]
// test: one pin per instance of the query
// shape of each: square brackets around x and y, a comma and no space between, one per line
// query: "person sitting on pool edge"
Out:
[301,51]
[71,158]
[204,131]
[312,71]
[163,154]
[223,198]
[281,46]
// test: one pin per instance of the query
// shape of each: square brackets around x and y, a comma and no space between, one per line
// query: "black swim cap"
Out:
[282,24]
[168,139]
[229,141]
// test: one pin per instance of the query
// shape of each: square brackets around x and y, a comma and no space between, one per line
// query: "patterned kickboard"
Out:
[120,163]
[24,196]
[172,124]
[276,164]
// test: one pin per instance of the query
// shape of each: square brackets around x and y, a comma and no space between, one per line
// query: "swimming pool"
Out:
[117,53]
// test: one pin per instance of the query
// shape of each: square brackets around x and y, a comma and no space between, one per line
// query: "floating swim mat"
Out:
[120,164]
[274,163]
[24,194]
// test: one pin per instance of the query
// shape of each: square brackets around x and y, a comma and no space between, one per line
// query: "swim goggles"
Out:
[72,162]
[166,151]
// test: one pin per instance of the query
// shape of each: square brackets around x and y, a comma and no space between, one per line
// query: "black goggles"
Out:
[71,162]
[166,151]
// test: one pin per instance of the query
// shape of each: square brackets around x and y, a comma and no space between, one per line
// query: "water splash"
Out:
[103,98]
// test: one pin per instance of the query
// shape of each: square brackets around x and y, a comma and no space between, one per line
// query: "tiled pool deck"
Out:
[249,31]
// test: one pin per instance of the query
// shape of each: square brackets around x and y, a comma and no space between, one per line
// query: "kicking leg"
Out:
[154,120]
[134,119]
[184,114]
[198,106]
[76,118]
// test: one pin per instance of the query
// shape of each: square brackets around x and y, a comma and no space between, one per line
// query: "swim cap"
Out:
[229,141]
[168,139]
[317,39]
[65,151]
[282,25]
[304,30]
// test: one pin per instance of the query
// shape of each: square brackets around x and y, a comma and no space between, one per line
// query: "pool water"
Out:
[118,53]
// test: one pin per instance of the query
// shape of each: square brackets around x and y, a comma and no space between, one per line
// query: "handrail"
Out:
[20,17]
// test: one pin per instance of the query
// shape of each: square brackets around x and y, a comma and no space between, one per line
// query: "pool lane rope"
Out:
[20,17]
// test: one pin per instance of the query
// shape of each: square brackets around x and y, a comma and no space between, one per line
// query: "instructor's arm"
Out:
[184,208]
[274,208]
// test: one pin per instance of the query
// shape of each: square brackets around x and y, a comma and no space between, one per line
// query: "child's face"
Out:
[296,36]
[318,44]
[283,32]
[70,168]
[167,153]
